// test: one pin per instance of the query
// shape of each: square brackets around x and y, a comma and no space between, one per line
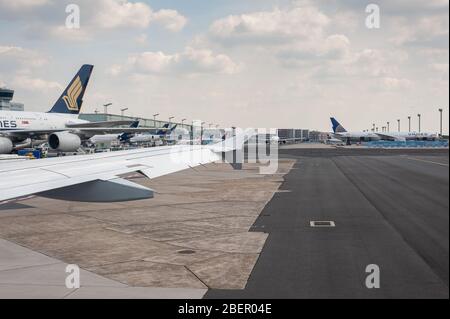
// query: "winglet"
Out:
[233,143]
[71,100]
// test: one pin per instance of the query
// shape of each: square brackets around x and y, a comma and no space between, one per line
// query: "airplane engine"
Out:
[64,142]
[6,146]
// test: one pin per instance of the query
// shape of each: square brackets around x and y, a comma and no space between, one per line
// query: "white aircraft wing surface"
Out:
[97,177]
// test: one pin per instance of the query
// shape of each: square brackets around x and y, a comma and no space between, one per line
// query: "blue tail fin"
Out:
[337,127]
[163,132]
[173,128]
[71,100]
[126,136]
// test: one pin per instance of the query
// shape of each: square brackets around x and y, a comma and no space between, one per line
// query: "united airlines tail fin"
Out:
[337,127]
[71,100]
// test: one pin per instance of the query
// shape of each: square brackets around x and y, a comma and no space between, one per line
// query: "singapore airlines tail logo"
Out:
[73,93]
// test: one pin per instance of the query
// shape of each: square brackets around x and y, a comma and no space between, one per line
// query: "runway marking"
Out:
[316,223]
[426,161]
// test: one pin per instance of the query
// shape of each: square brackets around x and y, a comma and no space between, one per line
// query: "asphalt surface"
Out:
[391,208]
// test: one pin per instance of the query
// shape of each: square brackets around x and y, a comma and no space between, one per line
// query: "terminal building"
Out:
[143,122]
[6,104]
[297,135]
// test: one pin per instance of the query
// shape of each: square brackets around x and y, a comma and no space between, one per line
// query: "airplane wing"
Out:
[98,177]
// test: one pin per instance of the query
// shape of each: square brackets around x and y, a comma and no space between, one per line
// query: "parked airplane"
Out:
[97,177]
[109,138]
[61,124]
[341,133]
[408,136]
[149,138]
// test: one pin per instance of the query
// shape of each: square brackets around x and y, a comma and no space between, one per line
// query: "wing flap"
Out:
[99,191]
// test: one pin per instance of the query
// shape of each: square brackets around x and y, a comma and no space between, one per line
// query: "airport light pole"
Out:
[182,121]
[122,111]
[398,124]
[106,107]
[373,129]
[440,130]
[420,117]
[154,119]
[388,126]
[170,119]
[409,123]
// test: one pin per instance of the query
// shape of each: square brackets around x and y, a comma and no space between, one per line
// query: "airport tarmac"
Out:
[390,208]
[192,236]
[239,234]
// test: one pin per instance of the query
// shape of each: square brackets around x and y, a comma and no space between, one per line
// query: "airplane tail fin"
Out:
[71,99]
[126,136]
[173,128]
[337,127]
[163,132]
[135,124]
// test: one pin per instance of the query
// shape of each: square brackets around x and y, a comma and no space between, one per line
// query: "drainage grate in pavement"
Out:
[322,224]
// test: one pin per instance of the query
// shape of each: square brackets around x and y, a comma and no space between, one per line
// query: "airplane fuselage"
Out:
[412,136]
[11,120]
[145,138]
[366,136]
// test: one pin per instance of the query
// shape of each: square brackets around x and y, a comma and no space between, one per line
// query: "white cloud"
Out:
[170,19]
[98,17]
[278,25]
[14,56]
[119,13]
[81,34]
[427,29]
[142,39]
[378,63]
[26,82]
[111,14]
[390,83]
[190,61]
[334,47]
[22,4]
[440,67]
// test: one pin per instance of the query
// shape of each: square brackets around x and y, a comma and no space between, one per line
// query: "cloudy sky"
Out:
[259,63]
